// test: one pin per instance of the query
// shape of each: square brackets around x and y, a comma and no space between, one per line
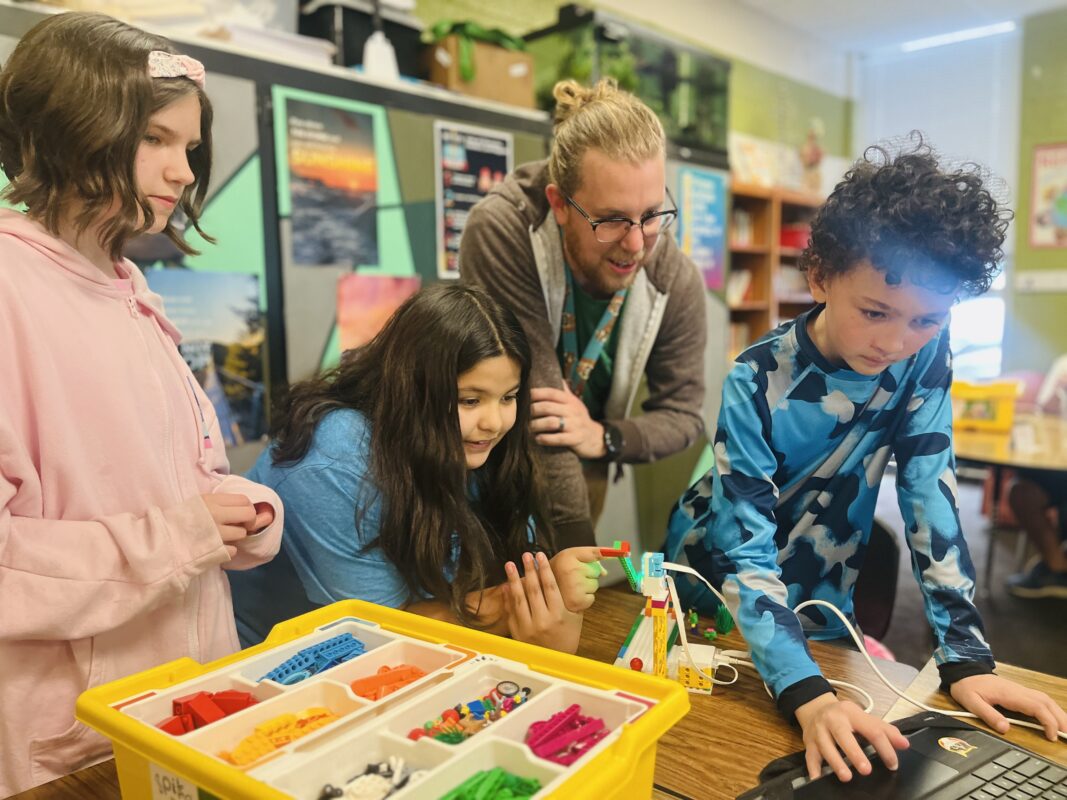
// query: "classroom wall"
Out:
[1036,330]
[806,78]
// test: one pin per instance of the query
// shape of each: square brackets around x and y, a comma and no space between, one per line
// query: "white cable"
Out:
[673,592]
[863,651]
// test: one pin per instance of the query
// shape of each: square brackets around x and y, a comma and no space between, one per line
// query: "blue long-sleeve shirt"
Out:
[333,517]
[785,512]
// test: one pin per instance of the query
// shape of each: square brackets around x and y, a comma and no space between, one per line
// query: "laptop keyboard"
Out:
[1017,776]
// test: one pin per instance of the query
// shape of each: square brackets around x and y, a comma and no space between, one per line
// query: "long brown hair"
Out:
[75,101]
[405,383]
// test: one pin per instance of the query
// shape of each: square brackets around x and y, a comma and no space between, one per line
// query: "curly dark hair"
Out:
[904,214]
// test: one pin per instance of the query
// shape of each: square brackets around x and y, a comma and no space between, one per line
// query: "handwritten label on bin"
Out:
[168,786]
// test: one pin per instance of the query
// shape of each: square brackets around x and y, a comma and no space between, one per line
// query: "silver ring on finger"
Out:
[562,423]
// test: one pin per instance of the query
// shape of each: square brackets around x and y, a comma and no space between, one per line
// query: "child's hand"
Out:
[264,517]
[830,727]
[979,693]
[577,571]
[234,516]
[535,609]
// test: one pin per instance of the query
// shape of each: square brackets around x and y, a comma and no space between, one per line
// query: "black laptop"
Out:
[948,760]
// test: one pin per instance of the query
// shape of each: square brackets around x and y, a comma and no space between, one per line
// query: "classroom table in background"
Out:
[1036,441]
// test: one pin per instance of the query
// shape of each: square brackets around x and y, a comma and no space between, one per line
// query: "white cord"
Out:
[859,643]
[673,591]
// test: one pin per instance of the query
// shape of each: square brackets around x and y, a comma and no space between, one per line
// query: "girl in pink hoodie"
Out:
[116,507]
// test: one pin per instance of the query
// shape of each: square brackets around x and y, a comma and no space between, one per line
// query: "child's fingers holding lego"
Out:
[231,513]
[264,517]
[586,555]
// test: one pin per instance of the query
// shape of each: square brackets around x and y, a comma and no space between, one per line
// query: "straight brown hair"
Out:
[404,382]
[75,102]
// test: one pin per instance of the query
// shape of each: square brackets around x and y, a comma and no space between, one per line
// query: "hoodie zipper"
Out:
[191,600]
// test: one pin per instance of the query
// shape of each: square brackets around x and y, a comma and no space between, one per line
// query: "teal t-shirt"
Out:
[587,312]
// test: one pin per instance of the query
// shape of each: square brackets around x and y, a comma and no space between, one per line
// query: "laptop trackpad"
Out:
[916,776]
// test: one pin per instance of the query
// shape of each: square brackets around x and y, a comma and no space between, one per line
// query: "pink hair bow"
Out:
[167,65]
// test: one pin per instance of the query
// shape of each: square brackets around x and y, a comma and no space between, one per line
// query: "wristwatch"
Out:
[612,442]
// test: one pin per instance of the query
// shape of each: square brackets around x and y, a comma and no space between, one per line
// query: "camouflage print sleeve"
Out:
[726,525]
[926,491]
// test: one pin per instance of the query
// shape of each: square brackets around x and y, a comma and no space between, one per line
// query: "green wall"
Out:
[1036,332]
[774,107]
[762,103]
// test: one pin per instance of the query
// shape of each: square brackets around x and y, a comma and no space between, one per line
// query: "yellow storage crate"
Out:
[984,406]
[459,663]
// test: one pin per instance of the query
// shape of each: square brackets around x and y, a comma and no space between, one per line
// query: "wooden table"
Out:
[1036,441]
[925,688]
[719,748]
[716,751]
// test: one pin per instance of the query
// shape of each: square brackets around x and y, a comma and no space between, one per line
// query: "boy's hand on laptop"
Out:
[578,571]
[980,693]
[830,727]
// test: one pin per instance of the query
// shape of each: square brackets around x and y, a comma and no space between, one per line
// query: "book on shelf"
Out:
[790,284]
[737,286]
[741,230]
[739,339]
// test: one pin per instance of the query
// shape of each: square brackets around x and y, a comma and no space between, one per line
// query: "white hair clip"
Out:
[167,65]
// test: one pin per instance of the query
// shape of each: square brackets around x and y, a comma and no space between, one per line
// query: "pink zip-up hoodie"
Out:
[109,560]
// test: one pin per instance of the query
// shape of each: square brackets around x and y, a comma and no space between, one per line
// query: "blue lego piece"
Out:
[316,658]
[655,565]
[477,709]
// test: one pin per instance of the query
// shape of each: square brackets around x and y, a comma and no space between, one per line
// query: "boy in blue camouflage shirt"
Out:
[811,415]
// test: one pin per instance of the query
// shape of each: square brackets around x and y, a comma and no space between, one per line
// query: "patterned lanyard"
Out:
[576,370]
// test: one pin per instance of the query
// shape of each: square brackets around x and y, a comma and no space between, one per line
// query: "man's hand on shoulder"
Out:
[559,418]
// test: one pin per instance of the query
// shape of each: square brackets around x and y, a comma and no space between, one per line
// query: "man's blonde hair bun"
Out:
[603,117]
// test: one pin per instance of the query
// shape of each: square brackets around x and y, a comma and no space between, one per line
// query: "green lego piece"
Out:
[632,575]
[724,623]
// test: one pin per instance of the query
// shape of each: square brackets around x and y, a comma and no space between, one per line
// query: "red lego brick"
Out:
[177,725]
[204,710]
[231,701]
[180,705]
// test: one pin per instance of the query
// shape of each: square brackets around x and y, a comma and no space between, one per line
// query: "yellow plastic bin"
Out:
[460,664]
[984,406]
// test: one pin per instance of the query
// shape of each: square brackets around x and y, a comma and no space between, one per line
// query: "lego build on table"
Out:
[650,645]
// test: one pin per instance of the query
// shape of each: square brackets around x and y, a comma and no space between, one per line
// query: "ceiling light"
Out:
[957,36]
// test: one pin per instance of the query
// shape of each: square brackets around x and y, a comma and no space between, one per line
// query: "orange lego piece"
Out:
[386,681]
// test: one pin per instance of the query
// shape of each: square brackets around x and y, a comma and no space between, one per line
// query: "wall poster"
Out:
[333,184]
[702,221]
[1048,206]
[469,161]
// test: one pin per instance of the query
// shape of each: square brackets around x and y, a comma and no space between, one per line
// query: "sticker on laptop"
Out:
[954,745]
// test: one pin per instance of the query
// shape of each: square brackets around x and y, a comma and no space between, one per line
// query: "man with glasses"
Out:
[579,247]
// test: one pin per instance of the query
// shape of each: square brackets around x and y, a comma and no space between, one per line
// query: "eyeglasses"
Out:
[614,229]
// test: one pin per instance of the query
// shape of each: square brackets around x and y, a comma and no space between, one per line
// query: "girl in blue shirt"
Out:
[409,481]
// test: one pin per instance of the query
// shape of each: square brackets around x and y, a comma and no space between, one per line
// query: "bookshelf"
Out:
[768,232]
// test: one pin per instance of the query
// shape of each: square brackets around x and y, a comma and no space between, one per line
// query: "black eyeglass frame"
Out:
[670,213]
